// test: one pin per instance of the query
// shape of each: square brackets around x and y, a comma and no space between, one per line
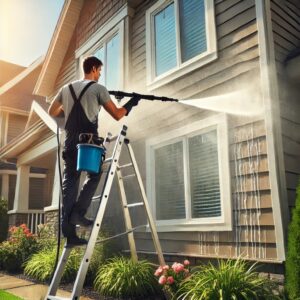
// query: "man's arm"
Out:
[115,112]
[55,109]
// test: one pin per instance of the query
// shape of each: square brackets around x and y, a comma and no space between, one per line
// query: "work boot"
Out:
[75,241]
[77,219]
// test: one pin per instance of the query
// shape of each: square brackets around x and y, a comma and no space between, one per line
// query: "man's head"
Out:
[92,67]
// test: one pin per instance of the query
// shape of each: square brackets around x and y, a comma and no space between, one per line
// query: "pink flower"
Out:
[162,280]
[177,267]
[186,262]
[170,280]
[166,267]
[159,271]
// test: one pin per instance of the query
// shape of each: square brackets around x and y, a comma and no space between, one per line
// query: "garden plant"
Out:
[121,277]
[17,249]
[170,278]
[3,219]
[228,280]
[293,256]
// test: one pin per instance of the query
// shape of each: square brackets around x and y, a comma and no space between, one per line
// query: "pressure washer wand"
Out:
[120,95]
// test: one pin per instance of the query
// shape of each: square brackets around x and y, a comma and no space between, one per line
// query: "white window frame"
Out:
[181,69]
[117,24]
[222,223]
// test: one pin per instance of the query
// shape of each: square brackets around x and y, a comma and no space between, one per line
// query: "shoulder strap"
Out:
[82,92]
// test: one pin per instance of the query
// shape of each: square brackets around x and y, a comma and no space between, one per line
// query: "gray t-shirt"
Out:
[92,100]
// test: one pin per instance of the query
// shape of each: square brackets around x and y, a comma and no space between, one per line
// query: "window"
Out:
[110,46]
[181,37]
[109,54]
[188,177]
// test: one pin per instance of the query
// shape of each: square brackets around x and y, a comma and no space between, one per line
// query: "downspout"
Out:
[270,94]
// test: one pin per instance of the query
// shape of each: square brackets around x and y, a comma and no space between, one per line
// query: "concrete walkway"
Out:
[28,290]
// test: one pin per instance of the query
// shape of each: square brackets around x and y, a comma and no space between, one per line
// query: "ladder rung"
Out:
[113,138]
[127,176]
[125,166]
[134,204]
[108,160]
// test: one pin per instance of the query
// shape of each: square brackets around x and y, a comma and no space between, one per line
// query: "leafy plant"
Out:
[40,266]
[18,248]
[171,278]
[293,255]
[3,219]
[229,280]
[123,277]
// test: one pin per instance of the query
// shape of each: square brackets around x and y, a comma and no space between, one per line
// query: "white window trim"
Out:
[181,69]
[116,24]
[222,223]
[103,40]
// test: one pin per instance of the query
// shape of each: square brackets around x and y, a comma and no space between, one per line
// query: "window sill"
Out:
[192,226]
[181,71]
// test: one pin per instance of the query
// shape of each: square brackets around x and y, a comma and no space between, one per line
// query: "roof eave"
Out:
[58,47]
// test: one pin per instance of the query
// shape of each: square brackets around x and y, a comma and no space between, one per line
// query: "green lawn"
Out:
[7,296]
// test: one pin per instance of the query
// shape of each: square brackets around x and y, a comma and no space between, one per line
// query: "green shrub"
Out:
[40,265]
[17,249]
[293,254]
[229,280]
[122,277]
[3,219]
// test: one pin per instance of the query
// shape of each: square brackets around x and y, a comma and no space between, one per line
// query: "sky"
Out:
[26,28]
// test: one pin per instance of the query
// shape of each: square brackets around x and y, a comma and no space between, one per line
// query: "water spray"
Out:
[239,102]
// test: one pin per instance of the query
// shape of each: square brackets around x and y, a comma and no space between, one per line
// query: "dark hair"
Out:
[90,62]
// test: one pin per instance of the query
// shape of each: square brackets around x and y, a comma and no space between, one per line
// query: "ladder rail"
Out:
[147,207]
[113,169]
[128,224]
[78,285]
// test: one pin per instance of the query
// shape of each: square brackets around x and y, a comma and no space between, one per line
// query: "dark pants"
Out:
[71,180]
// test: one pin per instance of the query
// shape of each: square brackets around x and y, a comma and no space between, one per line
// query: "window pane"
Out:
[204,175]
[100,54]
[165,40]
[169,182]
[192,28]
[113,67]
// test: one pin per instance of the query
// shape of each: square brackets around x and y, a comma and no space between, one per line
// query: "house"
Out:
[220,180]
[17,84]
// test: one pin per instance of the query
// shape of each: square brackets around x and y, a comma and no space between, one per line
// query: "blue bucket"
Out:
[89,158]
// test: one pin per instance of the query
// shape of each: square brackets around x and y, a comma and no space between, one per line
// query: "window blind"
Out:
[165,40]
[204,175]
[192,28]
[169,182]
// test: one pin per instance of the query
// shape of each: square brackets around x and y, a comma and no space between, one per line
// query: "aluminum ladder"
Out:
[113,169]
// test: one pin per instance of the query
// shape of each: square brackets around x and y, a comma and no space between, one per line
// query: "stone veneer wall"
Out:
[51,218]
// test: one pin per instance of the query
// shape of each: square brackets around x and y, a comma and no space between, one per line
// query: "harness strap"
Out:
[77,100]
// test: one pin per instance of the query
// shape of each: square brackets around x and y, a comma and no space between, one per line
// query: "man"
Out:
[80,103]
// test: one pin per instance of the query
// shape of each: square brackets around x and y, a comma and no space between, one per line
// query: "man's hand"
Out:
[131,103]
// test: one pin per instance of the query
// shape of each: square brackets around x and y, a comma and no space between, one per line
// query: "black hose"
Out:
[59,204]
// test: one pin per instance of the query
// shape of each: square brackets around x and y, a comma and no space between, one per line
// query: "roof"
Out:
[8,71]
[17,93]
[58,47]
[40,126]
